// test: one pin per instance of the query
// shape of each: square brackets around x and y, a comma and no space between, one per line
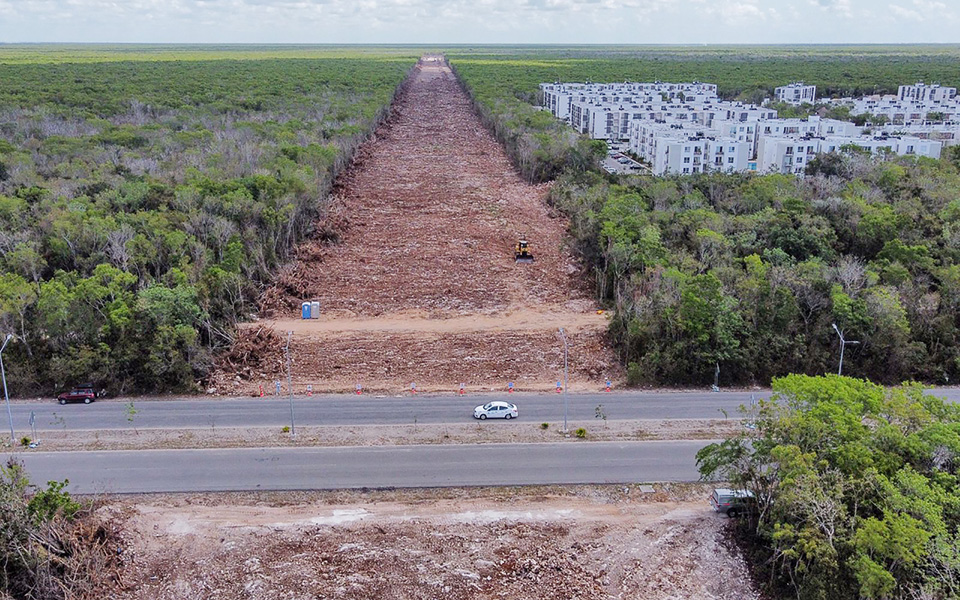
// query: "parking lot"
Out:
[616,162]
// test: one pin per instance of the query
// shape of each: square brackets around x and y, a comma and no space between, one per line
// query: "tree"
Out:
[854,497]
[17,297]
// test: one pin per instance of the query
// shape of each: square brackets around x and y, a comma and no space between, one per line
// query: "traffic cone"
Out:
[461,389]
[359,389]
[309,391]
[261,390]
[413,389]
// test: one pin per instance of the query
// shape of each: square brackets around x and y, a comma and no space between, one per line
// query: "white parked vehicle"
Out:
[496,410]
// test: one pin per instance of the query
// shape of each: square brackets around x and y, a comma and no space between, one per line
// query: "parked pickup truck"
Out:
[733,502]
[81,393]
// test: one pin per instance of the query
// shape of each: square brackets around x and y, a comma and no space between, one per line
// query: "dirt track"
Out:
[422,286]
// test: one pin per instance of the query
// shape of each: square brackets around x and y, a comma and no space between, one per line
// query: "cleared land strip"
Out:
[421,285]
[520,320]
[530,543]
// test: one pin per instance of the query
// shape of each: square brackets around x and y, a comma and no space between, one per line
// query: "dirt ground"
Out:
[386,435]
[422,286]
[589,542]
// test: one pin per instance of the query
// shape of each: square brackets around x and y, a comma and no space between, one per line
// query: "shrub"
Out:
[49,546]
[581,433]
[286,429]
[544,425]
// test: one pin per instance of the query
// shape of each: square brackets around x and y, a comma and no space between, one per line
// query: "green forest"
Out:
[144,202]
[747,274]
[856,490]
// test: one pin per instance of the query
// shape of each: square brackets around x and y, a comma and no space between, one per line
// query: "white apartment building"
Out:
[786,155]
[904,112]
[558,97]
[611,121]
[926,93]
[947,133]
[792,155]
[683,128]
[796,93]
[674,149]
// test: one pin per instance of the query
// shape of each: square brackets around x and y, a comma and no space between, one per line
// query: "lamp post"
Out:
[566,403]
[293,427]
[843,344]
[6,398]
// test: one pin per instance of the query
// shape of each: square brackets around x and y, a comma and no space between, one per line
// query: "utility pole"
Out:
[843,344]
[566,401]
[293,427]
[6,398]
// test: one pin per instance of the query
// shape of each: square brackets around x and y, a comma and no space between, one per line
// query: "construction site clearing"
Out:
[448,268]
[589,542]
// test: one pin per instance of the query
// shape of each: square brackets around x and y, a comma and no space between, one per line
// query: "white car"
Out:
[496,410]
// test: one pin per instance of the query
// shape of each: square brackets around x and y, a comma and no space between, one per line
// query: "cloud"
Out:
[906,13]
[477,21]
[839,7]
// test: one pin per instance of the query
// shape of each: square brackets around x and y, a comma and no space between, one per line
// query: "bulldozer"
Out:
[522,252]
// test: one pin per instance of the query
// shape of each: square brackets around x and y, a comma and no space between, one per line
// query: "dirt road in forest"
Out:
[422,286]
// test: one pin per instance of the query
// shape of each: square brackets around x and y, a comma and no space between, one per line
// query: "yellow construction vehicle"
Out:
[522,252]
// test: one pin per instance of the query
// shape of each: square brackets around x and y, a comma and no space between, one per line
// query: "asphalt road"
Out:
[369,410]
[366,467]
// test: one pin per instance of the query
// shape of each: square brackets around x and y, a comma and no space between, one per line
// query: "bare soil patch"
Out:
[421,285]
[581,542]
[386,435]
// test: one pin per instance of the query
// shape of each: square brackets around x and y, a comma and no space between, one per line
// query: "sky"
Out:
[482,21]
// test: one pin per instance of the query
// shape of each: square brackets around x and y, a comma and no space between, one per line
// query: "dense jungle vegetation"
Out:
[749,273]
[856,490]
[143,202]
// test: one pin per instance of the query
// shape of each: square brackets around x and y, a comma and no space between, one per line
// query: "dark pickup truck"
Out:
[82,393]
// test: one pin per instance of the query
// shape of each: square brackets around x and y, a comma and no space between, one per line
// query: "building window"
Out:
[686,169]
[686,159]
[730,160]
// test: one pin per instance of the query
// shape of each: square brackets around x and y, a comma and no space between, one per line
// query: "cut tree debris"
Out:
[425,221]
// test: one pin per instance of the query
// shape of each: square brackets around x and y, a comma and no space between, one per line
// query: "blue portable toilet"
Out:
[305,310]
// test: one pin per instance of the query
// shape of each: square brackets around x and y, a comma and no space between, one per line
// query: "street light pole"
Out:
[6,398]
[843,344]
[293,427]
[566,402]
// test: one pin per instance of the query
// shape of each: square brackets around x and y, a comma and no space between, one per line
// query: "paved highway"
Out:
[365,467]
[369,410]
